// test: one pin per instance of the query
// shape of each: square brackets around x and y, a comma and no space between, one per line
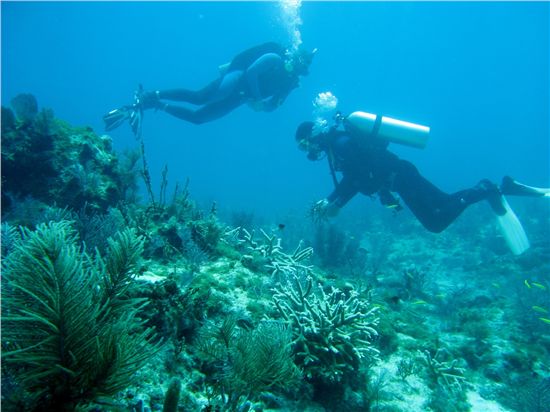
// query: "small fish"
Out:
[281,226]
[539,309]
[538,285]
[527,284]
[441,295]
[545,320]
[496,285]
[420,302]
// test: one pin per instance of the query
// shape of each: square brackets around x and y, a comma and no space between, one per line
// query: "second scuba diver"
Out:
[360,153]
[262,76]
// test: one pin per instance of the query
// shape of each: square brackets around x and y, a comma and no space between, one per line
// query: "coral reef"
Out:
[51,161]
[377,315]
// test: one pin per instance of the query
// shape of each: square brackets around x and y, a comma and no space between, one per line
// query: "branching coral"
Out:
[444,372]
[272,255]
[332,331]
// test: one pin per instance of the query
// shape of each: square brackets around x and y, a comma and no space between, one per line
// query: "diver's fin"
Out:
[510,226]
[511,187]
[136,117]
[133,113]
[116,117]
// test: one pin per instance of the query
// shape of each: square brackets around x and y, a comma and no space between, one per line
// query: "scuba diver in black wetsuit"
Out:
[367,167]
[262,76]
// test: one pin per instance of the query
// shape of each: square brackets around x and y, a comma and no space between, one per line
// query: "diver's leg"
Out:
[197,97]
[435,209]
[217,90]
[206,113]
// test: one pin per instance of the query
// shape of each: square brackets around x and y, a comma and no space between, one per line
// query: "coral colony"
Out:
[112,301]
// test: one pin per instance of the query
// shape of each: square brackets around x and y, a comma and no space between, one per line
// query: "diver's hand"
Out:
[323,210]
[265,105]
[257,105]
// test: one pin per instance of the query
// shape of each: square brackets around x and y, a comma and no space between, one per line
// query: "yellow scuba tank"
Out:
[388,129]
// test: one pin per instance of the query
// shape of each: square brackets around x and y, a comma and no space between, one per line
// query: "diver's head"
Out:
[308,141]
[299,60]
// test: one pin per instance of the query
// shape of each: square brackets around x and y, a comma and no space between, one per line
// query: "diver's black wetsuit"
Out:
[369,168]
[257,74]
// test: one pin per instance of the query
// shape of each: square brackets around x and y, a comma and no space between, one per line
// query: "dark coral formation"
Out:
[51,161]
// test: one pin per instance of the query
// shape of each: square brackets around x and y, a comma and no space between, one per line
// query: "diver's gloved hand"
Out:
[265,105]
[257,105]
[150,100]
[323,210]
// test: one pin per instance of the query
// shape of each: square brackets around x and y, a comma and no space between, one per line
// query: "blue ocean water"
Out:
[459,315]
[476,73]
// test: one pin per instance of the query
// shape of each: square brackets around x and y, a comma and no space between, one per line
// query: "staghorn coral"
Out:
[333,332]
[443,370]
[269,254]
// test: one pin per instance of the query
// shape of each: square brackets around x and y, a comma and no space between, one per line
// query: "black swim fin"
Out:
[511,187]
[133,113]
[116,117]
[136,117]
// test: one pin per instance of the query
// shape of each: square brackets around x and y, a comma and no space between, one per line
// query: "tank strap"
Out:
[330,158]
[376,126]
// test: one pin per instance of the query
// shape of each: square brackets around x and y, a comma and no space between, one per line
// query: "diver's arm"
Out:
[271,103]
[267,105]
[266,62]
[275,101]
[343,193]
[331,205]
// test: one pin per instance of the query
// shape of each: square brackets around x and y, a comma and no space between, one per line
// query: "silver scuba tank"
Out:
[388,129]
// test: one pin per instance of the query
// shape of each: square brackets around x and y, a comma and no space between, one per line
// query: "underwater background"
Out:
[223,251]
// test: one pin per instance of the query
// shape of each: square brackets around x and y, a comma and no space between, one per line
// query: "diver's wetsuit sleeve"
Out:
[263,64]
[343,193]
